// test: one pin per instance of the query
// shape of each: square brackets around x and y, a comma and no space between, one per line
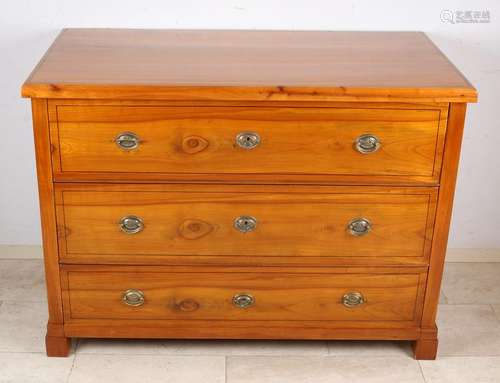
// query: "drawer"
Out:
[150,141]
[341,295]
[137,223]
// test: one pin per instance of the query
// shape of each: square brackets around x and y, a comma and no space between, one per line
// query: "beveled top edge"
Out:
[259,65]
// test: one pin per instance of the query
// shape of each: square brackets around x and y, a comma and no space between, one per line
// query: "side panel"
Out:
[57,344]
[426,346]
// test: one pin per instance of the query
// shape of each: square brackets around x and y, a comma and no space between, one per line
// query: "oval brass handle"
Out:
[367,143]
[127,141]
[359,227]
[131,224]
[353,299]
[248,140]
[133,297]
[245,223]
[243,300]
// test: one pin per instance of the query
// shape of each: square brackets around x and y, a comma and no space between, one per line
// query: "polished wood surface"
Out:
[428,349]
[208,296]
[201,140]
[198,220]
[186,94]
[57,344]
[249,329]
[425,348]
[246,65]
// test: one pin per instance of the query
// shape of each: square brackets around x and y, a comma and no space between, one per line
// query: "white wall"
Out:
[27,27]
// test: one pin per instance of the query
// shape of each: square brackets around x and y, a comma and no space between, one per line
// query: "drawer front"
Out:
[153,140]
[233,296]
[140,221]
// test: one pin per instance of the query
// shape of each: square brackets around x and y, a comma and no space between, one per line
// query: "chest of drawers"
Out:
[245,185]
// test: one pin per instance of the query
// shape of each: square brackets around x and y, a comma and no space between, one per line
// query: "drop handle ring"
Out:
[127,141]
[133,297]
[243,300]
[367,143]
[131,224]
[353,299]
[359,227]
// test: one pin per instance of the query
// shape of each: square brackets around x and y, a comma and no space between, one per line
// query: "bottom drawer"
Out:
[151,293]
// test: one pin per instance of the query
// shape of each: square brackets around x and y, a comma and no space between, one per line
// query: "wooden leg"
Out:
[425,349]
[56,344]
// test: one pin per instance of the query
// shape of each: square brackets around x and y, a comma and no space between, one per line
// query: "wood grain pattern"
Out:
[57,346]
[56,343]
[258,65]
[199,295]
[187,94]
[427,347]
[278,330]
[295,141]
[443,215]
[198,221]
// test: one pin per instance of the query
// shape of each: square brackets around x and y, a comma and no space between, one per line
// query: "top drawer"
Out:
[278,144]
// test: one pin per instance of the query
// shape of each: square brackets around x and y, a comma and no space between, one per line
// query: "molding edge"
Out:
[453,255]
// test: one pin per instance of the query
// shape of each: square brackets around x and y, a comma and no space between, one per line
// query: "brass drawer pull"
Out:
[248,140]
[133,297]
[367,143]
[359,227]
[245,223]
[353,299]
[127,141]
[131,224]
[243,300]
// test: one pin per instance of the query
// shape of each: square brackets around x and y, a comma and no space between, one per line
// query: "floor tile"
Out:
[442,298]
[33,368]
[472,283]
[462,370]
[370,348]
[220,347]
[22,280]
[328,369]
[465,342]
[23,326]
[201,347]
[467,316]
[468,330]
[496,309]
[147,369]
[119,346]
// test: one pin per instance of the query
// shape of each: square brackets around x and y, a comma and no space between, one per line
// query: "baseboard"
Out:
[453,255]
[20,252]
[473,255]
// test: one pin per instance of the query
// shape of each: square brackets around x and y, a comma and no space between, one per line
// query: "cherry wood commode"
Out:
[245,185]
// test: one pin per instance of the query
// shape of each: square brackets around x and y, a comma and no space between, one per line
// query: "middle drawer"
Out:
[136,223]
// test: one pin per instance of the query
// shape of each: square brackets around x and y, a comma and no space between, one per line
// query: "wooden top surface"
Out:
[246,65]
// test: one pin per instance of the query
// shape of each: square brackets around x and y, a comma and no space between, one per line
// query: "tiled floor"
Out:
[469,324]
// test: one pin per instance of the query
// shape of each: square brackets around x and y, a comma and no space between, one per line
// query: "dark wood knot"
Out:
[187,305]
[194,144]
[195,228]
